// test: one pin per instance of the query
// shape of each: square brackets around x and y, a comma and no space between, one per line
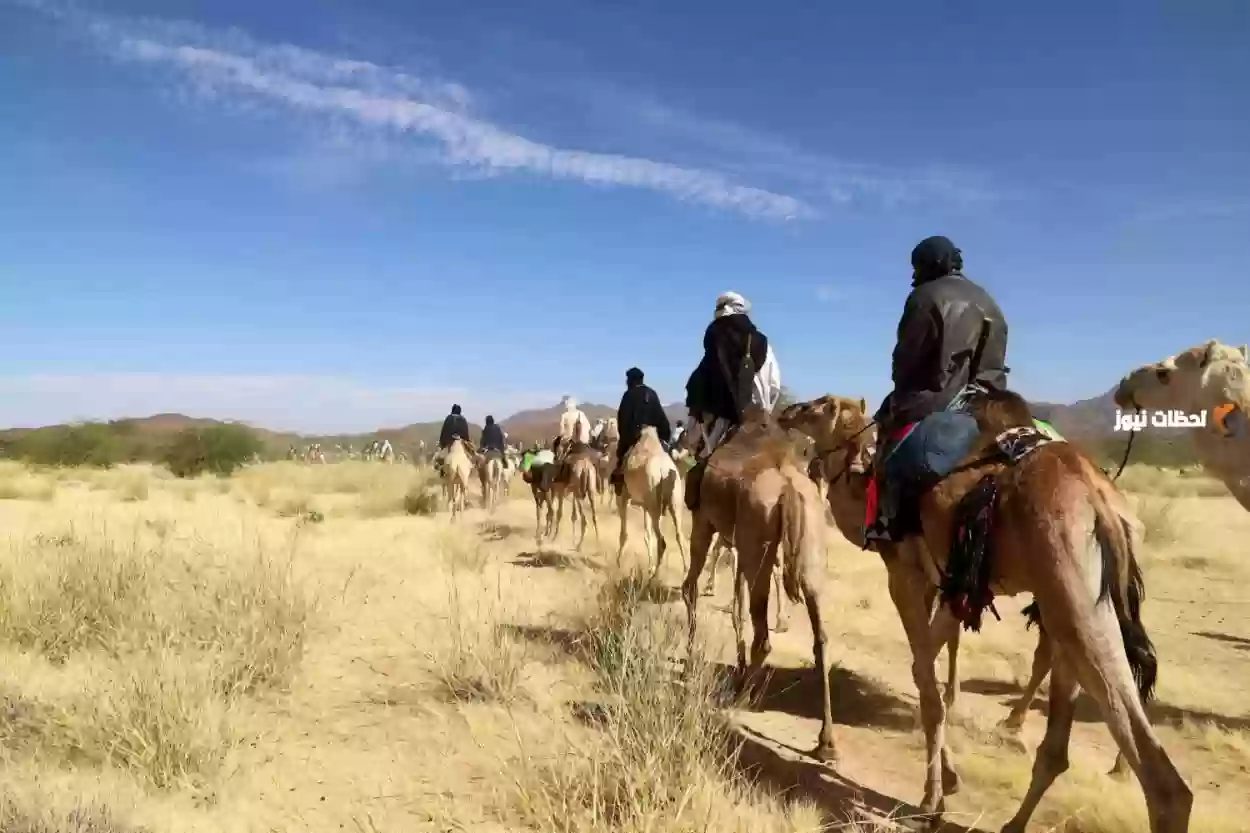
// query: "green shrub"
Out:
[85,444]
[218,449]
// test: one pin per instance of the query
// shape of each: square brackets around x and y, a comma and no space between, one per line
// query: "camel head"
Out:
[830,420]
[1200,377]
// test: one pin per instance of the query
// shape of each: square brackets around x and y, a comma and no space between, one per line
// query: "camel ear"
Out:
[863,404]
[1209,353]
[1245,352]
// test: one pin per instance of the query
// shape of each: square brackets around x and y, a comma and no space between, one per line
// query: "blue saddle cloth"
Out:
[931,450]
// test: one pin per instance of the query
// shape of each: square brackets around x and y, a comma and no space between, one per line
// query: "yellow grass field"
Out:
[291,650]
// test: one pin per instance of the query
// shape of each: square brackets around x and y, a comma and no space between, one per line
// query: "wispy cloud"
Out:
[750,152]
[827,294]
[309,404]
[230,64]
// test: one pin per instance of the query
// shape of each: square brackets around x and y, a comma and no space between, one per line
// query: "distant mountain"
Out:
[1090,422]
[1085,419]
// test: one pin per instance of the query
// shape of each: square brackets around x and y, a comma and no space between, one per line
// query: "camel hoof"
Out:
[1119,773]
[1011,723]
[825,752]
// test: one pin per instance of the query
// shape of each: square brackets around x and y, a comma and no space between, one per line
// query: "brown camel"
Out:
[1200,380]
[541,477]
[845,443]
[1060,530]
[579,477]
[755,495]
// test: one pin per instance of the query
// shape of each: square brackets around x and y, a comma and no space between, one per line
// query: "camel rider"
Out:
[738,370]
[640,406]
[678,430]
[493,439]
[952,339]
[454,425]
[574,428]
[717,384]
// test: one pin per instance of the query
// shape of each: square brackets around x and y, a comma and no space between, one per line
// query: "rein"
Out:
[843,445]
[1128,449]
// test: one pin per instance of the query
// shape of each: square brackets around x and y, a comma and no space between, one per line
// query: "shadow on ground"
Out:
[553,559]
[787,771]
[1238,641]
[571,642]
[856,700]
[1087,711]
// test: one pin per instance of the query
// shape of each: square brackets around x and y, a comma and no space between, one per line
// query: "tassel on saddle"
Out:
[966,586]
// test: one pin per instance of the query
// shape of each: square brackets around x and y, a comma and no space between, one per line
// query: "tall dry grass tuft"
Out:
[477,659]
[660,757]
[144,644]
[18,482]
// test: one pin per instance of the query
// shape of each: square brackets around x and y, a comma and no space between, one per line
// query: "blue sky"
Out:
[323,216]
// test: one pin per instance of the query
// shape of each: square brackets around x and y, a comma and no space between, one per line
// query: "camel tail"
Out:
[793,533]
[1122,580]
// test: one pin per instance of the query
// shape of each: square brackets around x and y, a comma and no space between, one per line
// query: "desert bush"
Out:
[86,444]
[421,500]
[216,449]
[659,760]
[19,483]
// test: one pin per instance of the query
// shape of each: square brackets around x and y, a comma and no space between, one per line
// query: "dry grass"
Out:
[201,656]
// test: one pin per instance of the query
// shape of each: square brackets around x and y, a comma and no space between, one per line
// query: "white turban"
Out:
[731,303]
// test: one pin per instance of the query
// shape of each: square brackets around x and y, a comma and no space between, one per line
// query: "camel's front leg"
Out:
[622,502]
[700,541]
[908,587]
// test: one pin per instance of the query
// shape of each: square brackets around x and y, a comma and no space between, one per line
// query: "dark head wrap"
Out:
[633,376]
[934,257]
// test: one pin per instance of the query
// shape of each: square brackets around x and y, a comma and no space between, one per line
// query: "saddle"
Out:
[989,428]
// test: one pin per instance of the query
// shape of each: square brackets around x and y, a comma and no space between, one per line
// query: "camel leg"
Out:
[951,694]
[1091,644]
[594,516]
[673,512]
[740,601]
[621,506]
[559,516]
[825,750]
[700,541]
[1041,668]
[579,514]
[783,621]
[660,545]
[908,588]
[1052,755]
[538,522]
[717,553]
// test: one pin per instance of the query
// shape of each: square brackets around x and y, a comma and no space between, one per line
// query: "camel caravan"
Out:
[964,503]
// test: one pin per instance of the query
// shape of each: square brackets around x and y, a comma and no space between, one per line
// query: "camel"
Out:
[1202,379]
[1053,525]
[579,477]
[541,478]
[755,495]
[652,482]
[490,474]
[457,469]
